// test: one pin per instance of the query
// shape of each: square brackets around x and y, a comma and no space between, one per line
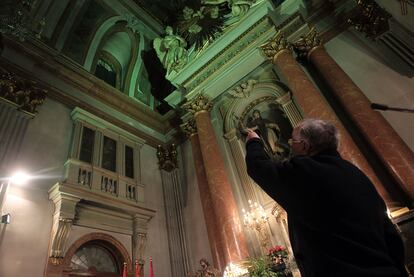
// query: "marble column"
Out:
[392,151]
[230,236]
[209,216]
[314,105]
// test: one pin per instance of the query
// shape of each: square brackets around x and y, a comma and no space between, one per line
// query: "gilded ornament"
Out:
[189,128]
[21,92]
[275,45]
[307,43]
[167,157]
[370,18]
[198,104]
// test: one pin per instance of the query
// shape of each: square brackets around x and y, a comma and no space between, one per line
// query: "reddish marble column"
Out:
[314,105]
[206,202]
[390,148]
[230,235]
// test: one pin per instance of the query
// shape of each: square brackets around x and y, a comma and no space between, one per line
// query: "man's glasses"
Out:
[292,141]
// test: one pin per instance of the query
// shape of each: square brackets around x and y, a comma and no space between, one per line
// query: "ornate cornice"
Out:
[198,104]
[307,43]
[167,157]
[275,45]
[21,92]
[189,128]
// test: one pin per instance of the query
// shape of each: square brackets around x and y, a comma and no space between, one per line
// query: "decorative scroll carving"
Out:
[189,128]
[65,210]
[275,45]
[140,243]
[198,104]
[59,239]
[370,18]
[243,90]
[23,93]
[307,43]
[167,158]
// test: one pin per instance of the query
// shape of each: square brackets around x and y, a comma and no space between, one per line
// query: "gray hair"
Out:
[321,135]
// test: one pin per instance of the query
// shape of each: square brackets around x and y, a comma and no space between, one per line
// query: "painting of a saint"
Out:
[270,132]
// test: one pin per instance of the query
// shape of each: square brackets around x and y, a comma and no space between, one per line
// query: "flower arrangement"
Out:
[277,250]
[274,264]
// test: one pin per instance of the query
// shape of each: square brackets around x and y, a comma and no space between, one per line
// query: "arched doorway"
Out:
[96,255]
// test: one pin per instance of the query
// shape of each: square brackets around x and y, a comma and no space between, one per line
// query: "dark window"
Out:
[129,162]
[105,72]
[109,154]
[87,142]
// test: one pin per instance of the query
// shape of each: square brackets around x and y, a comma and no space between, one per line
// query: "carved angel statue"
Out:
[243,90]
[171,50]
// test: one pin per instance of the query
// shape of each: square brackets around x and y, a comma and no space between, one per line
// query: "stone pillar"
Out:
[314,105]
[209,216]
[230,236]
[392,151]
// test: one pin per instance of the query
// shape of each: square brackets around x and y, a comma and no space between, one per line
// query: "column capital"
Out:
[24,93]
[167,157]
[369,18]
[189,128]
[198,104]
[307,43]
[275,45]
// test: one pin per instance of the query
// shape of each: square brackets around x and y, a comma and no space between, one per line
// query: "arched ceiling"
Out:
[119,46]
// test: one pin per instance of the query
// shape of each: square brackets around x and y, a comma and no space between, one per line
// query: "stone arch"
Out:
[275,91]
[102,37]
[116,246]
[238,108]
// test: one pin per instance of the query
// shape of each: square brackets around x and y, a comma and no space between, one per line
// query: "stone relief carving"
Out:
[243,90]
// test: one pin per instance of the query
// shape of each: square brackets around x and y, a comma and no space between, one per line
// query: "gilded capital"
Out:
[198,104]
[167,157]
[369,18]
[307,43]
[21,92]
[189,128]
[275,45]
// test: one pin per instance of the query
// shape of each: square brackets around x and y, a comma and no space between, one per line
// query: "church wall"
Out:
[157,237]
[24,242]
[194,221]
[380,83]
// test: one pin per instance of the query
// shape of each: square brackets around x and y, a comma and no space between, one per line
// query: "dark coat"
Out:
[338,224]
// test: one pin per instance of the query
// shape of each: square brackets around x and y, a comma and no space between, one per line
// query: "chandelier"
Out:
[16,19]
[256,219]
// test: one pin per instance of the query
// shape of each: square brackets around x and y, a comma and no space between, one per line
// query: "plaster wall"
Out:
[196,231]
[157,237]
[24,242]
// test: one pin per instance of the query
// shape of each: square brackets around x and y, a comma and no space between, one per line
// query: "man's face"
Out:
[256,114]
[298,145]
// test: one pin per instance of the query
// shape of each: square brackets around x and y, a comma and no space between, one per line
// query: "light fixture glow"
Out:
[19,178]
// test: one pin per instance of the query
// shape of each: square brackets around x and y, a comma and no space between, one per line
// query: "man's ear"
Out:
[307,148]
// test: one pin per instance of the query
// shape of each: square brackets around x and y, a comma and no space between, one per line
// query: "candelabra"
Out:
[256,219]
[16,19]
[233,270]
